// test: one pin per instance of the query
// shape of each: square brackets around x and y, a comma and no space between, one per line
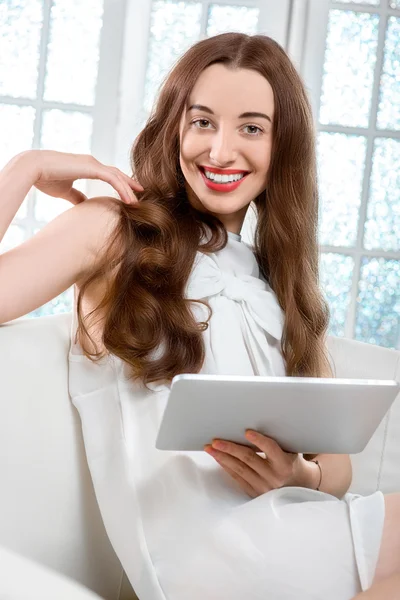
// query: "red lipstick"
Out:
[222,171]
[222,187]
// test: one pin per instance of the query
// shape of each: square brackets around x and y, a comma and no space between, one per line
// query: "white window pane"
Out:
[389,101]
[73,51]
[16,127]
[174,27]
[336,280]
[378,303]
[224,18]
[341,164]
[394,3]
[66,131]
[13,237]
[382,227]
[349,68]
[20,27]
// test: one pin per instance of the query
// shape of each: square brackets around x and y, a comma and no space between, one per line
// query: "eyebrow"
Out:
[245,115]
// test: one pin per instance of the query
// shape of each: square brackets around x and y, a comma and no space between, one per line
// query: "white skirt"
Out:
[288,544]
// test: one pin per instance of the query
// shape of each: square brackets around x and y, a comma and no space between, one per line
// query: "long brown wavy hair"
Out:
[147,320]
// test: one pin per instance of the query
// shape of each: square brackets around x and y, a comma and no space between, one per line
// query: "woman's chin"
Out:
[223,206]
[216,204]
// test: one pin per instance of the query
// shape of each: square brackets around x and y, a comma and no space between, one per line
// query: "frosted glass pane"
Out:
[224,18]
[382,227]
[389,99]
[174,27]
[19,54]
[16,130]
[369,2]
[349,68]
[66,131]
[341,162]
[61,304]
[13,237]
[378,313]
[336,279]
[73,51]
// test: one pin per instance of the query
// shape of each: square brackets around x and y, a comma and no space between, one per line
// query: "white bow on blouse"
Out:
[237,338]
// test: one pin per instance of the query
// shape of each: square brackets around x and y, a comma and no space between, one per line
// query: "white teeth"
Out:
[223,178]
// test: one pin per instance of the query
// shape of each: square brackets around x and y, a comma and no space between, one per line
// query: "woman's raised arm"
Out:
[62,252]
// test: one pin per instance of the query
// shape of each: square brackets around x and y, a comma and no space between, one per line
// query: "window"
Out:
[356,94]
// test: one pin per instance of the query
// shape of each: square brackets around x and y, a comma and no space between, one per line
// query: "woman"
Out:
[166,286]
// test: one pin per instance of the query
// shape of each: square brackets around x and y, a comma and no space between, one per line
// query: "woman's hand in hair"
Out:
[56,172]
[257,474]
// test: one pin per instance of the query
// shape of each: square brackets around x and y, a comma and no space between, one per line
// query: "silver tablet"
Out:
[306,415]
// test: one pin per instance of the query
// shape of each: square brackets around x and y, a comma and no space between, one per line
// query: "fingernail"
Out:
[219,445]
[251,435]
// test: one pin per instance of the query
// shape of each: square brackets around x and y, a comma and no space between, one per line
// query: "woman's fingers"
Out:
[135,185]
[129,194]
[132,183]
[279,458]
[246,466]
[245,455]
[242,483]
[122,183]
[266,444]
[119,184]
[246,476]
[274,470]
[243,461]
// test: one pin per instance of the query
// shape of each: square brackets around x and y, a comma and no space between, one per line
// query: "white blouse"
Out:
[181,527]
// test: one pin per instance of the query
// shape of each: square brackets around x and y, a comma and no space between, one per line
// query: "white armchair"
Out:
[48,507]
[49,511]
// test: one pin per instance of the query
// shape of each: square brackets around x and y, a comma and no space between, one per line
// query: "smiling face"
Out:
[226,140]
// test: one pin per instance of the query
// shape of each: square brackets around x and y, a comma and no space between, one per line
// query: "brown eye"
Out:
[253,130]
[201,123]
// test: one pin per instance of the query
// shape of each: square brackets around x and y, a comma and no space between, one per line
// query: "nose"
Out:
[222,151]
